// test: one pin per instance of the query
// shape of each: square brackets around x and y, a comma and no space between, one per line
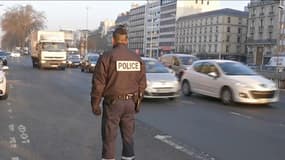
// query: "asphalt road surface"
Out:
[48,117]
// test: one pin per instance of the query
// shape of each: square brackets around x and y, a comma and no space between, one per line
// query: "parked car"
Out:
[89,62]
[3,58]
[15,54]
[3,81]
[230,81]
[73,60]
[178,62]
[161,82]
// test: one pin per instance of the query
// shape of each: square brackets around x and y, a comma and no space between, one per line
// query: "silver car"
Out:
[161,81]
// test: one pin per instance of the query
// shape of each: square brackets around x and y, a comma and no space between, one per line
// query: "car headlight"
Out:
[69,62]
[93,65]
[242,85]
[43,61]
[1,79]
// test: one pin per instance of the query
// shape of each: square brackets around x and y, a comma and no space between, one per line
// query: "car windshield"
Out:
[93,58]
[234,68]
[54,47]
[186,60]
[153,66]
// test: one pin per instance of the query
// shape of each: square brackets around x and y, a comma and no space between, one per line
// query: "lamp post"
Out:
[86,34]
[281,27]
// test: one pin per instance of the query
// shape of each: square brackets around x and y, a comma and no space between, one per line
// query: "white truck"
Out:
[48,49]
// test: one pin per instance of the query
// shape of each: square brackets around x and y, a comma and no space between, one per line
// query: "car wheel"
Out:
[186,88]
[172,98]
[227,96]
[5,96]
[82,69]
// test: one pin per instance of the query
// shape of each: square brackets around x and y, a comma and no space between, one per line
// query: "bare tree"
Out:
[18,22]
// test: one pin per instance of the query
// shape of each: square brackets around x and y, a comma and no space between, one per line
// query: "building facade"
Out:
[104,26]
[215,34]
[263,31]
[122,19]
[171,10]
[152,27]
[136,29]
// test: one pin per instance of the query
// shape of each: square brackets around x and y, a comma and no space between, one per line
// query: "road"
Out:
[48,116]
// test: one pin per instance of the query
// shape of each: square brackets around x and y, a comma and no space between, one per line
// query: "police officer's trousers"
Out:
[118,113]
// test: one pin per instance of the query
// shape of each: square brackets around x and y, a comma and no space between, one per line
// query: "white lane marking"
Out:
[23,133]
[240,115]
[187,102]
[15,158]
[194,154]
[8,103]
[11,127]
[10,110]
[13,142]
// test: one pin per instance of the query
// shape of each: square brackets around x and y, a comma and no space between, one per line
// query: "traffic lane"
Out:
[5,150]
[212,128]
[59,121]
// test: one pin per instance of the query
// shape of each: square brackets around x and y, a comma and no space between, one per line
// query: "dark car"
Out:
[178,62]
[73,60]
[89,62]
[3,57]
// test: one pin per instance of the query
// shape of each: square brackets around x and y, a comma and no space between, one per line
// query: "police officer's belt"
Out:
[124,97]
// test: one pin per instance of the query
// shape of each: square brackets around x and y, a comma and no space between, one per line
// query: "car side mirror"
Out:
[213,74]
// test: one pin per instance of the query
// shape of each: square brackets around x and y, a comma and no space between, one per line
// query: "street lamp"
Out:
[281,27]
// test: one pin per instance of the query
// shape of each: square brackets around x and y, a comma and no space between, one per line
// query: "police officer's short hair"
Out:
[119,32]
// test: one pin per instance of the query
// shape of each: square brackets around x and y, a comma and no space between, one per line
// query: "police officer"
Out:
[120,78]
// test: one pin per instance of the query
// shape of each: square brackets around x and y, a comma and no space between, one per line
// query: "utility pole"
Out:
[86,34]
[281,28]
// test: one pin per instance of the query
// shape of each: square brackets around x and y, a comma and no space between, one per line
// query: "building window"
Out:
[216,46]
[205,38]
[216,38]
[217,29]
[229,19]
[196,2]
[210,38]
[238,39]
[239,30]
[227,49]
[228,38]
[228,29]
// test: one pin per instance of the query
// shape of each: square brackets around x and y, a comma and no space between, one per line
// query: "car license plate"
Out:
[162,90]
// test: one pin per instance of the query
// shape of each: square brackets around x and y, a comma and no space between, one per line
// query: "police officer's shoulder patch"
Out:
[128,66]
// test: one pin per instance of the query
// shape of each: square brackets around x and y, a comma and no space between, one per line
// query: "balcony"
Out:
[261,14]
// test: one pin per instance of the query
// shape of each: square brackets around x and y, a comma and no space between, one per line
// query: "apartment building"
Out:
[152,27]
[171,10]
[263,31]
[136,29]
[214,34]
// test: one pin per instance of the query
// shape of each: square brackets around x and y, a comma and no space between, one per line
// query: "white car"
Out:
[3,82]
[15,54]
[230,81]
[161,81]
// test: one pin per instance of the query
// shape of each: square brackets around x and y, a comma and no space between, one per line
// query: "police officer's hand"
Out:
[96,110]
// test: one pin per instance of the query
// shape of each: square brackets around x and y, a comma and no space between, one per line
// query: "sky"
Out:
[88,14]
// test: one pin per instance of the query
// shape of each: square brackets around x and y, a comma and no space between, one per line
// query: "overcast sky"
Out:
[73,14]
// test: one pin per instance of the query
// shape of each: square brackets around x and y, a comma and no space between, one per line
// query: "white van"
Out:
[276,61]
